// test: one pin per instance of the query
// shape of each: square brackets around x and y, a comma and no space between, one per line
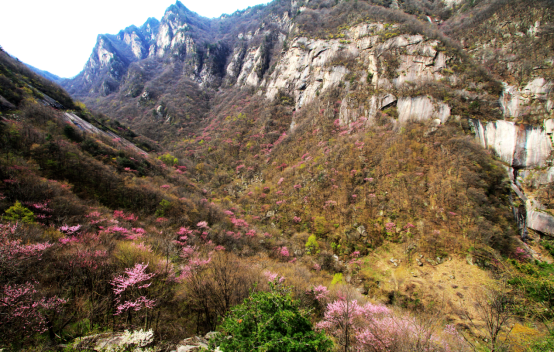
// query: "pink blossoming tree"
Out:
[130,290]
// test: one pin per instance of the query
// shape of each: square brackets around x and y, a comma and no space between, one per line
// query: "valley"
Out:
[299,176]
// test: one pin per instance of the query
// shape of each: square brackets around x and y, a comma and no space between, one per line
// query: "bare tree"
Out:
[494,316]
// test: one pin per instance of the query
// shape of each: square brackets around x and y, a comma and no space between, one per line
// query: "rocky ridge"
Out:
[277,60]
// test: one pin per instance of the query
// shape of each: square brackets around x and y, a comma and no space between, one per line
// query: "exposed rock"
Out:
[192,344]
[520,146]
[128,340]
[196,343]
[549,126]
[421,109]
[536,177]
[5,105]
[533,98]
[537,218]
[89,128]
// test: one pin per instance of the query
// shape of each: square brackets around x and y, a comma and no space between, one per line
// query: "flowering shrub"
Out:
[69,230]
[374,327]
[239,222]
[202,224]
[320,292]
[13,252]
[22,311]
[129,289]
[390,226]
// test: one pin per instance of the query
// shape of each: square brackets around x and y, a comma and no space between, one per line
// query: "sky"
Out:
[58,35]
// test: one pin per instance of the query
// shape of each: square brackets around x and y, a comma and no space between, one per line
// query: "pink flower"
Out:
[320,292]
[202,225]
[284,251]
[239,222]
[132,281]
[296,219]
[69,230]
[273,277]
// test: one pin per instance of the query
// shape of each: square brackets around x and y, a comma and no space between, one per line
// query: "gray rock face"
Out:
[527,149]
[520,146]
[86,127]
[540,221]
[421,109]
[533,98]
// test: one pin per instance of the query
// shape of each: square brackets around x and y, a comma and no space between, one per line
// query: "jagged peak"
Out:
[132,28]
[152,21]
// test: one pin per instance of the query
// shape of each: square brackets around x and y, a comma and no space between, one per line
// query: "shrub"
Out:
[168,159]
[18,212]
[270,321]
[312,247]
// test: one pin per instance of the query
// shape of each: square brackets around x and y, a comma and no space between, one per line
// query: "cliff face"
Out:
[379,62]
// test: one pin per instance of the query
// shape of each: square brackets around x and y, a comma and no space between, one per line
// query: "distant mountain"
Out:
[46,74]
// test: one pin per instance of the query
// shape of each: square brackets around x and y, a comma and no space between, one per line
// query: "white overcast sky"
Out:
[58,35]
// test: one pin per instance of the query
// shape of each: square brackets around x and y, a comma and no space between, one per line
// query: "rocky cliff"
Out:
[375,61]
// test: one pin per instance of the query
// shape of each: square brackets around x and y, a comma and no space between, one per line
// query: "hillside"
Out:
[49,76]
[395,155]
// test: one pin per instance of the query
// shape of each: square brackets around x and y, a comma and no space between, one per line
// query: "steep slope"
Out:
[49,76]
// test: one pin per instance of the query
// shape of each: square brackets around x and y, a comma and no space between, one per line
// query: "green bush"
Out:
[18,212]
[337,279]
[270,321]
[312,247]
[168,159]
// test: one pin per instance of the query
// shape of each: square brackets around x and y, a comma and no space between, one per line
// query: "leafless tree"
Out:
[493,316]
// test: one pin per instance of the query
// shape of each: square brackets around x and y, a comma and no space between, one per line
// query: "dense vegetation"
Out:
[282,229]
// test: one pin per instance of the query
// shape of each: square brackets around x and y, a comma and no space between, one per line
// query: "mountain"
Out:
[50,76]
[379,163]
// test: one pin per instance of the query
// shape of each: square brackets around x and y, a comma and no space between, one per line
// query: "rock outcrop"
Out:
[527,150]
[533,98]
[86,127]
[520,146]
